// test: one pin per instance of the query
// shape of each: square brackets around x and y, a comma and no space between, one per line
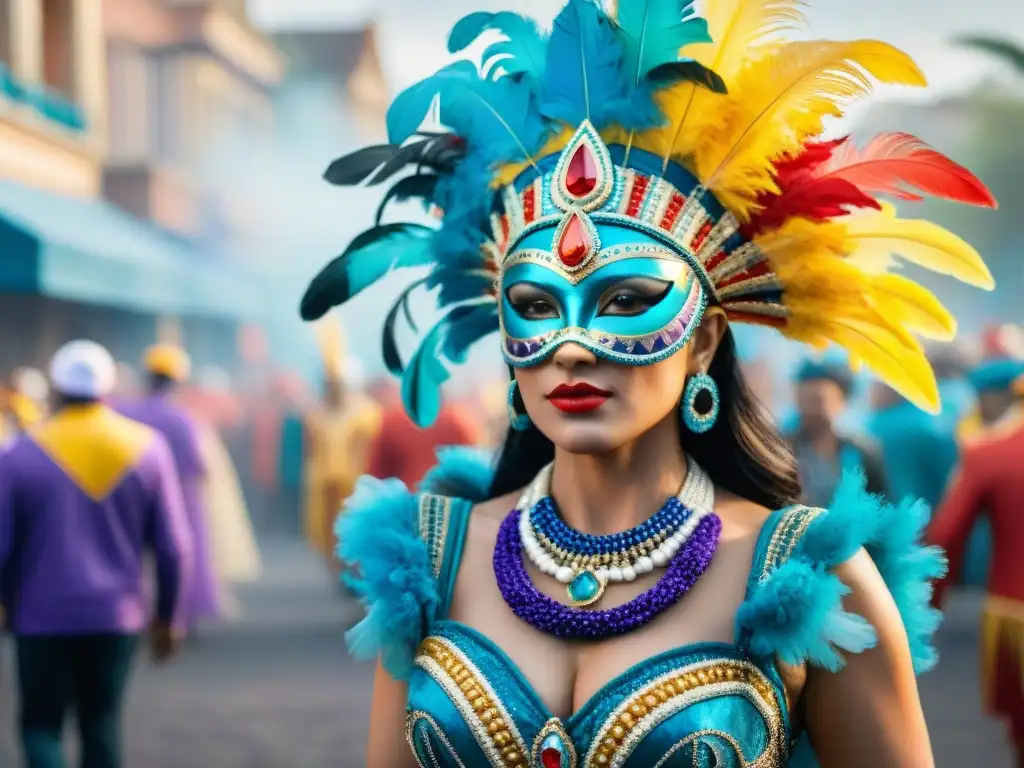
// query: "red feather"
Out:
[804,193]
[894,164]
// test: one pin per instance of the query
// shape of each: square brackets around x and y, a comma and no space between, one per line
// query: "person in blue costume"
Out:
[920,450]
[632,581]
[823,454]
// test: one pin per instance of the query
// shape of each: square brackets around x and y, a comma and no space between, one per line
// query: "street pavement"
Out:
[276,690]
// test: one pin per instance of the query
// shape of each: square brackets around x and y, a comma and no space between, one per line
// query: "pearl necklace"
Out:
[587,575]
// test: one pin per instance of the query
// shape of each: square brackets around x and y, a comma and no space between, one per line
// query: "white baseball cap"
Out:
[83,368]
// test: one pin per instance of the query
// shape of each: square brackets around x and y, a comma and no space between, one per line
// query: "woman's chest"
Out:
[705,705]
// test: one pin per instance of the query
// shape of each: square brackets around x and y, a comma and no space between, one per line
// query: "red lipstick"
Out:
[578,398]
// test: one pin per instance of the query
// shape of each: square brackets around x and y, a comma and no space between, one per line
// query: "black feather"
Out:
[327,290]
[420,185]
[355,167]
[439,153]
[389,344]
[691,71]
[331,286]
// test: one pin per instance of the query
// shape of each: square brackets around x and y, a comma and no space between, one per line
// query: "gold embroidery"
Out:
[411,721]
[492,726]
[435,512]
[632,720]
[787,533]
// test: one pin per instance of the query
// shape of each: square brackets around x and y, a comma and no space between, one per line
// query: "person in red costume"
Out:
[989,481]
[406,451]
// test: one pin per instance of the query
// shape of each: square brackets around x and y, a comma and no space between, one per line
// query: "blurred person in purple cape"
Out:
[83,494]
[168,366]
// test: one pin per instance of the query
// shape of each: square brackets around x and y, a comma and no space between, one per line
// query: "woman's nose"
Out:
[570,355]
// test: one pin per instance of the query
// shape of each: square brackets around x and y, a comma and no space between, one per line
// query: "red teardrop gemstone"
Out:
[551,758]
[575,243]
[581,175]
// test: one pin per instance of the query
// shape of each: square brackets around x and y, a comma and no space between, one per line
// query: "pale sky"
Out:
[413,31]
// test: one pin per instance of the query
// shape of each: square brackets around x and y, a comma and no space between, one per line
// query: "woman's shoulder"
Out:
[808,561]
[398,545]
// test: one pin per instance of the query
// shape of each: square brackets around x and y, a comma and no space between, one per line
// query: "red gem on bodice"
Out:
[575,242]
[581,175]
[551,758]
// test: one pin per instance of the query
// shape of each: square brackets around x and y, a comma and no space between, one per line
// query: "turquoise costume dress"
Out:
[705,704]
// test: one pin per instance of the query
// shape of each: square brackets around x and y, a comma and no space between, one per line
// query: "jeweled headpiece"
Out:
[650,143]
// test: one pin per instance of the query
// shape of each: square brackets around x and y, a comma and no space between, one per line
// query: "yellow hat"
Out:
[168,360]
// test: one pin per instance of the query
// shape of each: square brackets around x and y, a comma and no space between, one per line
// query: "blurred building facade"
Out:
[108,228]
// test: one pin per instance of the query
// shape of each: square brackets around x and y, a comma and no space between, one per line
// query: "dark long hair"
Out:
[742,453]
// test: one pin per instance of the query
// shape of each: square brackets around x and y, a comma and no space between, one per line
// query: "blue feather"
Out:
[410,249]
[523,53]
[423,377]
[654,31]
[469,28]
[584,78]
[497,119]
[461,472]
[475,325]
[378,533]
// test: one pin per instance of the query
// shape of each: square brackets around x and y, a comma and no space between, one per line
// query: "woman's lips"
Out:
[578,398]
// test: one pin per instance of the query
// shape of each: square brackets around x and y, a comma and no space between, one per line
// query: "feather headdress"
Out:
[784,229]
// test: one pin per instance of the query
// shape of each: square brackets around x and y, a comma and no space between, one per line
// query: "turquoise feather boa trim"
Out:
[379,537]
[797,613]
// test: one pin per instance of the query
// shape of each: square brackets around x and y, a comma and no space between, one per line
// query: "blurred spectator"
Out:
[81,497]
[168,366]
[822,452]
[339,434]
[406,451]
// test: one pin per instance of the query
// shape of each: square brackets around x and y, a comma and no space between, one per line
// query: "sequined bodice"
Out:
[704,705]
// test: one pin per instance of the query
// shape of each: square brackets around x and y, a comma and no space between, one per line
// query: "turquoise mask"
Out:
[593,254]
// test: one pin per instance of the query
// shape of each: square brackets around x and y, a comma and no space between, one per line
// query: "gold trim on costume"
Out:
[673,692]
[786,536]
[434,515]
[478,705]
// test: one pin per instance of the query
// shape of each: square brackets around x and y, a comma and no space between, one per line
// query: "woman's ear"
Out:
[706,339]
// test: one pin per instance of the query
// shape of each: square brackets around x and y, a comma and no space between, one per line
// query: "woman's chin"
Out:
[587,437]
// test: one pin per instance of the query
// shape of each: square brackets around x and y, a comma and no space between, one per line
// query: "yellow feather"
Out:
[741,31]
[905,370]
[913,307]
[780,100]
[874,237]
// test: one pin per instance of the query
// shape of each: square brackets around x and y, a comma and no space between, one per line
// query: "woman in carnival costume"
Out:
[632,583]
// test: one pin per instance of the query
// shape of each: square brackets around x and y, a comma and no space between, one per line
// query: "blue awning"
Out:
[93,252]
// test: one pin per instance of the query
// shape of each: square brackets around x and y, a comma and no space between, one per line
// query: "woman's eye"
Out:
[533,307]
[539,308]
[634,300]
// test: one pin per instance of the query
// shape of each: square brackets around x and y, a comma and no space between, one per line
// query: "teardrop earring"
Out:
[520,421]
[695,420]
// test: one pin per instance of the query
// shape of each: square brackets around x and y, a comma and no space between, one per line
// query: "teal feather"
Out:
[423,377]
[368,258]
[469,28]
[378,537]
[496,118]
[797,614]
[523,50]
[522,54]
[462,472]
[584,78]
[654,31]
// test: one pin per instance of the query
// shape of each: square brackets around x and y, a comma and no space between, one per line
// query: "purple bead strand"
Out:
[548,615]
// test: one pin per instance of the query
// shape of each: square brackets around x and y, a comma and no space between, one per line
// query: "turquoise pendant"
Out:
[585,588]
